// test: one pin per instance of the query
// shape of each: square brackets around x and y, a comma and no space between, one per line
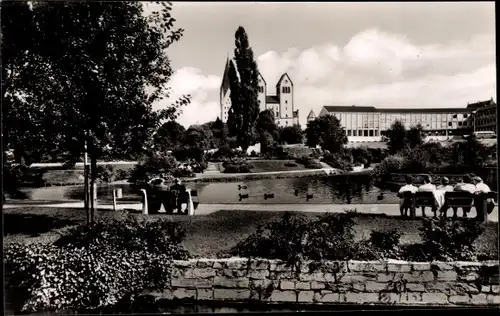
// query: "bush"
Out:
[122,174]
[386,243]
[450,240]
[236,166]
[95,266]
[155,166]
[183,173]
[295,238]
[342,160]
[391,164]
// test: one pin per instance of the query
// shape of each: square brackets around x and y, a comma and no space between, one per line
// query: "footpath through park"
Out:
[206,209]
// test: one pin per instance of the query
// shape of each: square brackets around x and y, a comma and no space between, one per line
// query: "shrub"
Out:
[342,160]
[105,173]
[183,173]
[386,243]
[156,165]
[295,238]
[82,278]
[122,174]
[95,266]
[390,164]
[450,240]
[236,166]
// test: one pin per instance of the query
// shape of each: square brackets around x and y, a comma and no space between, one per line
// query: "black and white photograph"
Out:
[248,157]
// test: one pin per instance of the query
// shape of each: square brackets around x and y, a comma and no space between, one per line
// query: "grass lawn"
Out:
[274,165]
[210,234]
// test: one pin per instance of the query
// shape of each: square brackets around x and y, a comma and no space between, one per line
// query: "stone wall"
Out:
[352,282]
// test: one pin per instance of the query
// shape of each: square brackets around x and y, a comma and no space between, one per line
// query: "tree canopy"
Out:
[291,134]
[327,132]
[243,80]
[79,73]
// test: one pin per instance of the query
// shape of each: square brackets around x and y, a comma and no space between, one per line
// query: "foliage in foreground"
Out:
[96,266]
[331,237]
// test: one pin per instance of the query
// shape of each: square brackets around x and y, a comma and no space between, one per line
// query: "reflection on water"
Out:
[350,189]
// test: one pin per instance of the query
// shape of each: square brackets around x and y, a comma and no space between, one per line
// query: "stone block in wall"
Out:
[303,285]
[184,263]
[287,285]
[366,266]
[258,274]
[226,282]
[479,299]
[330,297]
[434,298]
[435,286]
[442,266]
[205,263]
[447,275]
[219,265]
[204,294]
[231,294]
[305,297]
[421,266]
[495,289]
[278,266]
[468,276]
[454,287]
[283,296]
[335,266]
[375,287]
[182,293]
[362,277]
[460,299]
[493,299]
[199,273]
[411,298]
[315,276]
[259,264]
[192,283]
[399,267]
[418,276]
[415,287]
[315,285]
[485,288]
[385,277]
[231,273]
[361,298]
[389,297]
[237,263]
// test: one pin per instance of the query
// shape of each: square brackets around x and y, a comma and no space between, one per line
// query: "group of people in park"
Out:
[474,185]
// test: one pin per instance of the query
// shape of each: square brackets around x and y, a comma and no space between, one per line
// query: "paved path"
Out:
[205,209]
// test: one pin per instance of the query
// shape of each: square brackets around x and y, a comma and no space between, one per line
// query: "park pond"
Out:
[353,189]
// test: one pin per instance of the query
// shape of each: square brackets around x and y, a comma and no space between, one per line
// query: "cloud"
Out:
[374,68]
[203,89]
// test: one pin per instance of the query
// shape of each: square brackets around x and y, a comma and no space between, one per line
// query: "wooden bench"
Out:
[455,200]
[166,201]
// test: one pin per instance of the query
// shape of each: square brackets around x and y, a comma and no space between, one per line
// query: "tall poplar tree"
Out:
[244,77]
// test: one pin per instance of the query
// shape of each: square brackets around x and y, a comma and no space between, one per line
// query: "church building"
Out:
[280,103]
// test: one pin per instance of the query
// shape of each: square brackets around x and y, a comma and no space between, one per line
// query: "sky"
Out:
[388,55]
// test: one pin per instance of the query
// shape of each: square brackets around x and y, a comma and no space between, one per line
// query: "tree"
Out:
[396,137]
[415,136]
[327,132]
[243,78]
[291,134]
[199,136]
[94,73]
[169,136]
[267,124]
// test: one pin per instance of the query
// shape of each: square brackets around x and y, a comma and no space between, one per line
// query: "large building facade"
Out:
[281,103]
[364,123]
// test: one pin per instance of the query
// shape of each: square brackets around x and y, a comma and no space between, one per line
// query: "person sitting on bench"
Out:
[405,204]
[482,188]
[438,195]
[178,191]
[464,185]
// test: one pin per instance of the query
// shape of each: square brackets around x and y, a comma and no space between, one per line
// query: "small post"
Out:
[413,208]
[484,202]
[144,202]
[190,205]
[114,200]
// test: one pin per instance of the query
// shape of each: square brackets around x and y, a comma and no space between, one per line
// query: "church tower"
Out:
[284,90]
[225,94]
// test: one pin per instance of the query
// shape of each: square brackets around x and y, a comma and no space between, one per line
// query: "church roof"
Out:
[272,99]
[311,114]
[225,79]
[283,76]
